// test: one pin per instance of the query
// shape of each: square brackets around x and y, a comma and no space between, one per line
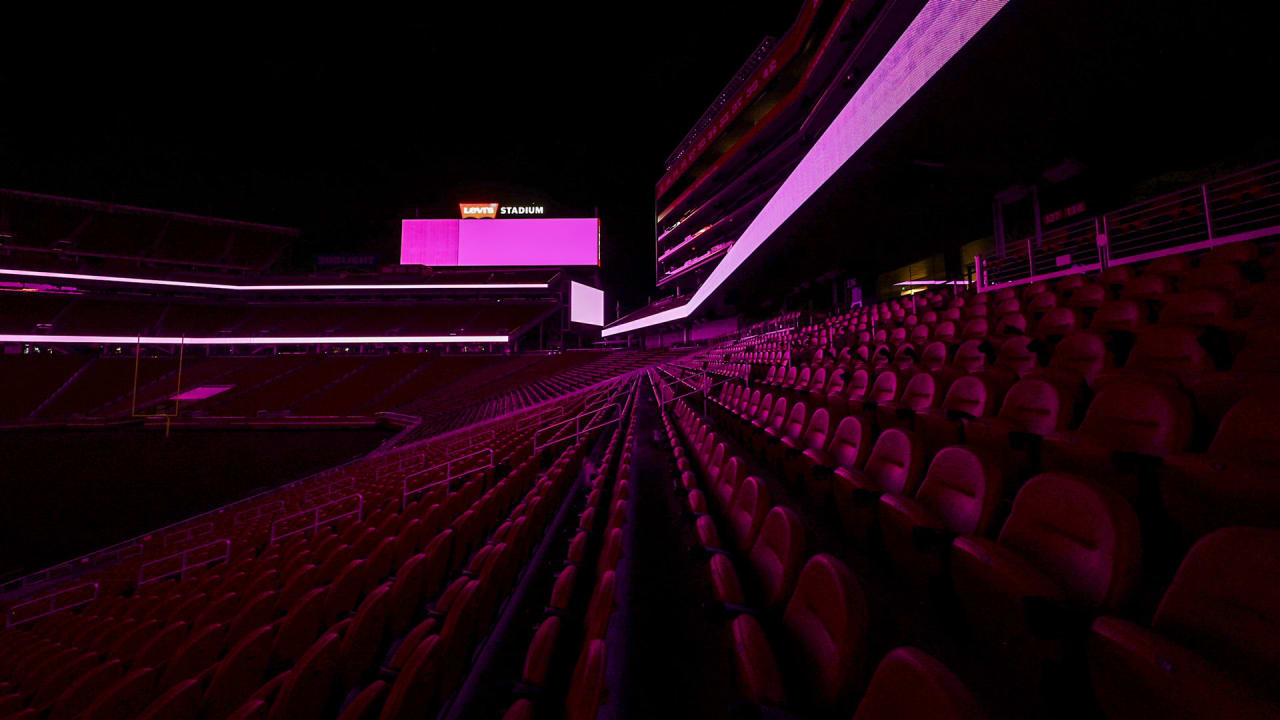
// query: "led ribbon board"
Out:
[941,29]
[253,340]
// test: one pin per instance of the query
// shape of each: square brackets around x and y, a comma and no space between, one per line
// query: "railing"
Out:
[329,490]
[1239,207]
[311,519]
[179,563]
[51,604]
[444,473]
[187,534]
[561,429]
[120,551]
[258,512]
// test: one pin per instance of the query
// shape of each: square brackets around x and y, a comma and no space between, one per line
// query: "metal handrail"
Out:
[449,474]
[316,520]
[186,563]
[12,619]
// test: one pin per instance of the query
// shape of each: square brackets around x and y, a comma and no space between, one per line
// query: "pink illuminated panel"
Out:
[586,304]
[941,29]
[202,392]
[534,242]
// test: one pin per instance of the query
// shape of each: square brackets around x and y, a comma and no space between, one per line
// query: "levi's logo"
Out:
[478,210]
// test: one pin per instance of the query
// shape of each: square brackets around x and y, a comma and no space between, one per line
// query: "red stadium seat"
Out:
[1127,424]
[776,555]
[908,684]
[1235,481]
[957,497]
[1212,649]
[1069,545]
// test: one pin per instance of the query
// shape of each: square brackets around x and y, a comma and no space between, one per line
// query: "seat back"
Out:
[969,357]
[827,618]
[818,381]
[1082,352]
[778,415]
[790,378]
[1224,602]
[777,554]
[762,412]
[1059,321]
[1198,308]
[1139,417]
[1248,431]
[857,385]
[921,392]
[1173,350]
[1081,534]
[794,425]
[975,328]
[746,515]
[895,462]
[849,444]
[730,477]
[1034,406]
[934,356]
[817,430]
[970,395]
[910,684]
[885,387]
[962,489]
[1016,354]
[1118,315]
[1011,323]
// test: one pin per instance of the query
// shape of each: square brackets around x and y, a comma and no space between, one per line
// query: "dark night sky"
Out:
[341,126]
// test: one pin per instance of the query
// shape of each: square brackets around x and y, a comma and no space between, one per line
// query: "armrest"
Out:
[1139,462]
[926,539]
[1049,618]
[863,497]
[1019,440]
[957,415]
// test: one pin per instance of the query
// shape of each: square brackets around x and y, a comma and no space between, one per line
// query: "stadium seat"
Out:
[1235,481]
[958,496]
[1127,429]
[1070,548]
[1212,649]
[894,466]
[776,555]
[825,625]
[909,684]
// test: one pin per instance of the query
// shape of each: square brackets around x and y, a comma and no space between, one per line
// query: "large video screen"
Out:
[500,243]
[586,304]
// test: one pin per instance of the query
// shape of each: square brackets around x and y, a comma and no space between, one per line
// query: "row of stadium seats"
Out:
[570,648]
[371,614]
[74,228]
[1068,550]
[452,391]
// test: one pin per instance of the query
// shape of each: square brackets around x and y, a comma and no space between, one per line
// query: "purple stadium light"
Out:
[256,340]
[529,242]
[246,288]
[941,29]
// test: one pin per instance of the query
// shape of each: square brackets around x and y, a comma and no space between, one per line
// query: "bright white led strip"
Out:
[932,38]
[258,340]
[243,288]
